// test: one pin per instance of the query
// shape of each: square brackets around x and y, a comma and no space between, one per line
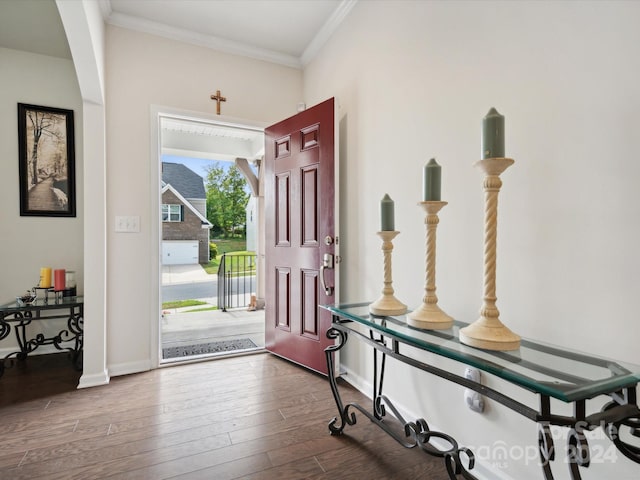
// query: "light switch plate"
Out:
[127,223]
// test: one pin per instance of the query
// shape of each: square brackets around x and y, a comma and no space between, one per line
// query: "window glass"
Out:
[171,213]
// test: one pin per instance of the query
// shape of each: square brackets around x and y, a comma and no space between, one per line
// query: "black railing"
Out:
[236,280]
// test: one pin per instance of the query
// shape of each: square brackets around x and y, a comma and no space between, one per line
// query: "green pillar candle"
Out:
[493,135]
[431,180]
[386,214]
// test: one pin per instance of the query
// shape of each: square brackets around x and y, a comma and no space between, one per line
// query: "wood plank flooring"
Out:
[252,417]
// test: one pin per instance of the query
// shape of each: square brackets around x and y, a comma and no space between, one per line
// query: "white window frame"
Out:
[172,212]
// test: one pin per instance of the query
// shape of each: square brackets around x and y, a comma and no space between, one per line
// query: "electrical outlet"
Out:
[473,399]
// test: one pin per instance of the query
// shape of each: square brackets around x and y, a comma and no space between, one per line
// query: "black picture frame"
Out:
[46,161]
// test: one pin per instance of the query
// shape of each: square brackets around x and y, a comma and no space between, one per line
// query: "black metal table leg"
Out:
[329,352]
[5,328]
[413,433]
[378,378]
[75,325]
[546,448]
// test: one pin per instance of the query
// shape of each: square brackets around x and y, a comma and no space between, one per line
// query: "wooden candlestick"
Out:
[387,304]
[429,315]
[488,332]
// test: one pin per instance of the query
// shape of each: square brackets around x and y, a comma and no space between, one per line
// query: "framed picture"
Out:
[47,161]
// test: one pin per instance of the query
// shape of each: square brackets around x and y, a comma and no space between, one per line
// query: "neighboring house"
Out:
[185,228]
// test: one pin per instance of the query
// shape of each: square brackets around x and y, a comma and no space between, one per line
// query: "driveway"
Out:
[176,274]
[191,282]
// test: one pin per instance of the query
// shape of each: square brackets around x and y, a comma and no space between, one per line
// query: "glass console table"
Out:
[19,316]
[548,371]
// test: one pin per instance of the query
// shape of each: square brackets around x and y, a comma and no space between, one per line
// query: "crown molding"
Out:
[229,46]
[209,41]
[327,30]
[105,8]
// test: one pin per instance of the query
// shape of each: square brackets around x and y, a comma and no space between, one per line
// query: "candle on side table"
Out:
[59,279]
[493,135]
[387,220]
[431,181]
[45,277]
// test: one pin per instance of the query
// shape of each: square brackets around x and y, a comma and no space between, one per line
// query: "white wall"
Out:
[29,243]
[414,80]
[144,74]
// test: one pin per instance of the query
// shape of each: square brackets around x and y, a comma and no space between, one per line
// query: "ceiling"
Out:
[286,32]
[210,141]
[33,26]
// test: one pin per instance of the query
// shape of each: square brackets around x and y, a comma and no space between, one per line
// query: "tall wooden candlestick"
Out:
[429,315]
[387,304]
[488,332]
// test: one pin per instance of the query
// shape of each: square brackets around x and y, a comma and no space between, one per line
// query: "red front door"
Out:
[300,234]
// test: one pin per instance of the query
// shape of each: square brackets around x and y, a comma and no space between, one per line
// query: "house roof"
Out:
[184,180]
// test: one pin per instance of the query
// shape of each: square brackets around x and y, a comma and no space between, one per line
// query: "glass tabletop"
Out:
[41,304]
[542,368]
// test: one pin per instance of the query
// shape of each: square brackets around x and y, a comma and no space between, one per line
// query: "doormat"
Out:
[207,348]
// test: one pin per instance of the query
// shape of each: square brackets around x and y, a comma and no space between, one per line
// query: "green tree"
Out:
[227,198]
[42,124]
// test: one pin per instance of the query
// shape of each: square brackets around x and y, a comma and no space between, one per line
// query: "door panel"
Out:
[309,320]
[309,206]
[281,209]
[299,213]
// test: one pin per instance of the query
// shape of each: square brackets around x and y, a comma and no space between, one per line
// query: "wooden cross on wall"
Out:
[218,98]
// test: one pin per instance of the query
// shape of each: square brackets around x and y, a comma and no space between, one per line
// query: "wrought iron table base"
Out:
[73,333]
[621,411]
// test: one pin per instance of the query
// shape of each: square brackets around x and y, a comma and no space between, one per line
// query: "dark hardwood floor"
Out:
[251,417]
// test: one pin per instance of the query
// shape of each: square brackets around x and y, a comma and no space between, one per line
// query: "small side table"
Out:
[19,316]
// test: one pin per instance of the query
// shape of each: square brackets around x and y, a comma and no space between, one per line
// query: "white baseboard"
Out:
[94,380]
[129,368]
[481,470]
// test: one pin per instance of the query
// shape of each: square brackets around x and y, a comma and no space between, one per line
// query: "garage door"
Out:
[180,252]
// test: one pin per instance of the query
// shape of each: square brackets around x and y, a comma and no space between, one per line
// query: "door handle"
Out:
[327,264]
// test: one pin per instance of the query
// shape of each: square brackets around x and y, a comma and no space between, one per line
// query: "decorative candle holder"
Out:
[45,292]
[387,304]
[429,315]
[488,332]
